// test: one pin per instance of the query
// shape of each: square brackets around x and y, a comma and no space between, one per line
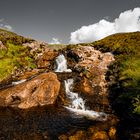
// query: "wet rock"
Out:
[112,133]
[41,90]
[80,135]
[63,137]
[45,60]
[87,86]
[100,135]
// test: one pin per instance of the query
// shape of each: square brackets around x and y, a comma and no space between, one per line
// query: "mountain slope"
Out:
[124,74]
[13,55]
[22,60]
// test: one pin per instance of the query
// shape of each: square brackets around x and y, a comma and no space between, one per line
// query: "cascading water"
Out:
[77,103]
[62,64]
[19,82]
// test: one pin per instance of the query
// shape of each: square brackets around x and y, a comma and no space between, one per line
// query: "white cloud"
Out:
[4,25]
[128,21]
[8,27]
[55,41]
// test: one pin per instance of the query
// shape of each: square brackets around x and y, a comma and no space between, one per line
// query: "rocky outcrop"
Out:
[36,47]
[92,66]
[46,59]
[41,90]
[26,88]
[42,54]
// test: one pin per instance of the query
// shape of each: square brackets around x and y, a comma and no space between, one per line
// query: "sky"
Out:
[69,21]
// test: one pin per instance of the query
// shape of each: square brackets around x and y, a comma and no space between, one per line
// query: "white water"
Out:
[18,82]
[78,104]
[62,64]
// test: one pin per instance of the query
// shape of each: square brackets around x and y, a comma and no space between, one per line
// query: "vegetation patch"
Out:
[15,57]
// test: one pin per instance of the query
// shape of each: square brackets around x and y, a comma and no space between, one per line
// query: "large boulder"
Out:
[41,90]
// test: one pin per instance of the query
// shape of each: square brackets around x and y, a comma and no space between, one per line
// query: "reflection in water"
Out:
[35,122]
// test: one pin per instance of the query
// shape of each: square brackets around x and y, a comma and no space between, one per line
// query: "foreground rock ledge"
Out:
[41,90]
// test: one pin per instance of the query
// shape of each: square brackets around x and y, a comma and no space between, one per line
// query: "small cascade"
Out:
[62,64]
[19,82]
[78,104]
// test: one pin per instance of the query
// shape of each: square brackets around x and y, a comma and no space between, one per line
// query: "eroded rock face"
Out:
[42,54]
[45,60]
[92,66]
[41,90]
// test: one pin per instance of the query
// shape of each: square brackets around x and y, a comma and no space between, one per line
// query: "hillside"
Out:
[8,36]
[13,55]
[40,82]
[124,77]
[124,74]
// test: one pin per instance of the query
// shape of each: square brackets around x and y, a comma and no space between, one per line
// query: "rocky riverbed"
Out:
[62,94]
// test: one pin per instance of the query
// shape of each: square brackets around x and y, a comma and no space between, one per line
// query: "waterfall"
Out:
[19,82]
[78,104]
[62,64]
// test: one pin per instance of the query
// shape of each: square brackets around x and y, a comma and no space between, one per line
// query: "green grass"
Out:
[136,104]
[131,70]
[56,46]
[6,68]
[12,38]
[15,58]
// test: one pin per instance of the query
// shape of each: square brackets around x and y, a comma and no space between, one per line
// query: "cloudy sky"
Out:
[71,21]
